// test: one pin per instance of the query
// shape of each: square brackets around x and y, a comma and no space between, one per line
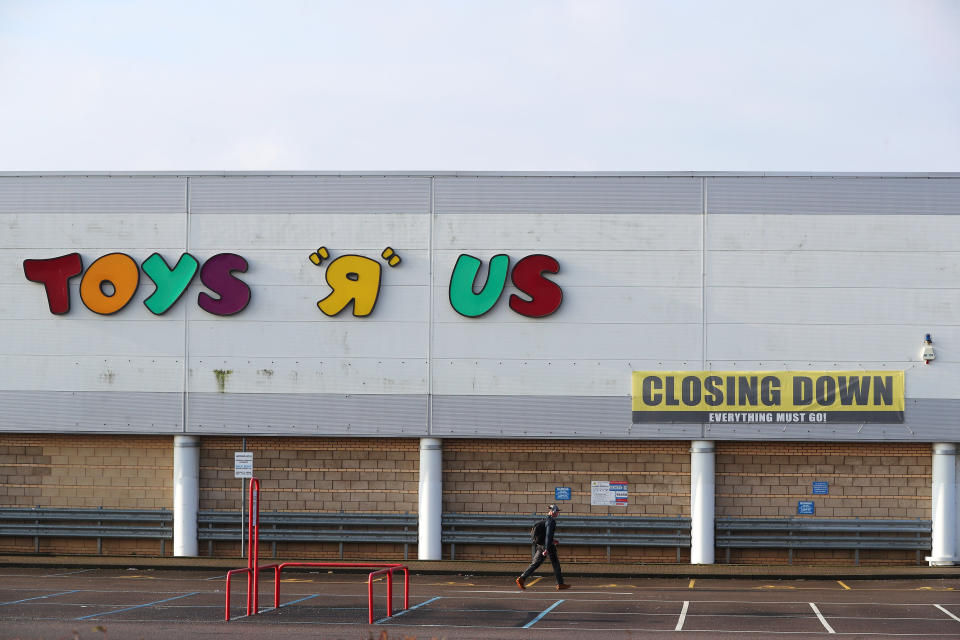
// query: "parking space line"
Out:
[535,581]
[840,582]
[67,573]
[139,606]
[287,604]
[822,619]
[513,592]
[542,613]
[49,595]
[417,606]
[690,586]
[683,616]
[947,612]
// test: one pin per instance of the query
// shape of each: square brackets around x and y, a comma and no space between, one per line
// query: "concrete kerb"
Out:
[572,569]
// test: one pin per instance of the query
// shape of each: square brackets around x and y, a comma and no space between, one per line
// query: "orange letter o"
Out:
[118,269]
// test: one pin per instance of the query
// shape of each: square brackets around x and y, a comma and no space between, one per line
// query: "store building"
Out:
[666,344]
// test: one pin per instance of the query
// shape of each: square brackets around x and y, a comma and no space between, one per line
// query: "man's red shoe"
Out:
[520,582]
[562,586]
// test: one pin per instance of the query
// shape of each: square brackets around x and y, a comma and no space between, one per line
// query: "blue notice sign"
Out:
[562,493]
[805,508]
[821,488]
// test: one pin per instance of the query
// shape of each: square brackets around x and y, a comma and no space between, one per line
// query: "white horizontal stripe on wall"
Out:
[365,234]
[103,373]
[299,375]
[522,341]
[109,336]
[546,233]
[921,270]
[891,234]
[837,344]
[310,339]
[865,307]
[51,235]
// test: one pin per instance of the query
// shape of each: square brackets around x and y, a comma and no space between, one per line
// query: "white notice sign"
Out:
[243,464]
[608,494]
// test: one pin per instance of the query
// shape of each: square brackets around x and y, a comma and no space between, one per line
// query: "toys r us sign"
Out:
[111,281]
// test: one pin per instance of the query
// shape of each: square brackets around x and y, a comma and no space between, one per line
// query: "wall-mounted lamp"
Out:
[927,355]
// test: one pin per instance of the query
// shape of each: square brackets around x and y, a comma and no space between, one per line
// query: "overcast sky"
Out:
[539,85]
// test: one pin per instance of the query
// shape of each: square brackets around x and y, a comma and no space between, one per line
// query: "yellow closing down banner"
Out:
[768,396]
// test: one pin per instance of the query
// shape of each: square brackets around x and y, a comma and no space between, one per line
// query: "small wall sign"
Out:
[608,494]
[805,508]
[243,464]
[562,493]
[821,488]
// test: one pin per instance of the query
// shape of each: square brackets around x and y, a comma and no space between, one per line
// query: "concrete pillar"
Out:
[701,501]
[944,505]
[431,499]
[186,494]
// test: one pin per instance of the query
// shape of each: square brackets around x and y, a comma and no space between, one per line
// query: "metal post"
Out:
[944,505]
[243,500]
[430,499]
[702,502]
[186,494]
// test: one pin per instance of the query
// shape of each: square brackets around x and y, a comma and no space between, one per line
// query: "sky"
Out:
[480,85]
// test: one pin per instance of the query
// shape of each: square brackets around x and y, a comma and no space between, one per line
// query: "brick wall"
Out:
[519,477]
[85,471]
[753,479]
[113,472]
[315,474]
[766,480]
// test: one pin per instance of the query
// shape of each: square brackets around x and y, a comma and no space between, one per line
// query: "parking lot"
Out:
[45,603]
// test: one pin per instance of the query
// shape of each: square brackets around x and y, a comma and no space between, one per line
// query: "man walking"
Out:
[548,548]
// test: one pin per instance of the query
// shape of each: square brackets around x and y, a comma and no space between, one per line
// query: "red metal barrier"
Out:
[381,567]
[253,545]
[253,568]
[230,573]
[253,554]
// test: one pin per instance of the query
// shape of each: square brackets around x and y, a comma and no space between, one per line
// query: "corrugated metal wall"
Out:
[669,272]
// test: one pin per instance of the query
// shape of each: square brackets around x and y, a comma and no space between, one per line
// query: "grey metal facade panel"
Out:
[833,195]
[566,195]
[91,412]
[93,194]
[291,414]
[580,417]
[926,420]
[609,418]
[309,194]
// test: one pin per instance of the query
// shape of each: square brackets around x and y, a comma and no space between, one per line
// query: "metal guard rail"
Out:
[400,528]
[823,533]
[41,522]
[601,531]
[616,531]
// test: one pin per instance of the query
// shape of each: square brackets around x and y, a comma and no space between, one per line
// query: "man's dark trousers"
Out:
[538,560]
